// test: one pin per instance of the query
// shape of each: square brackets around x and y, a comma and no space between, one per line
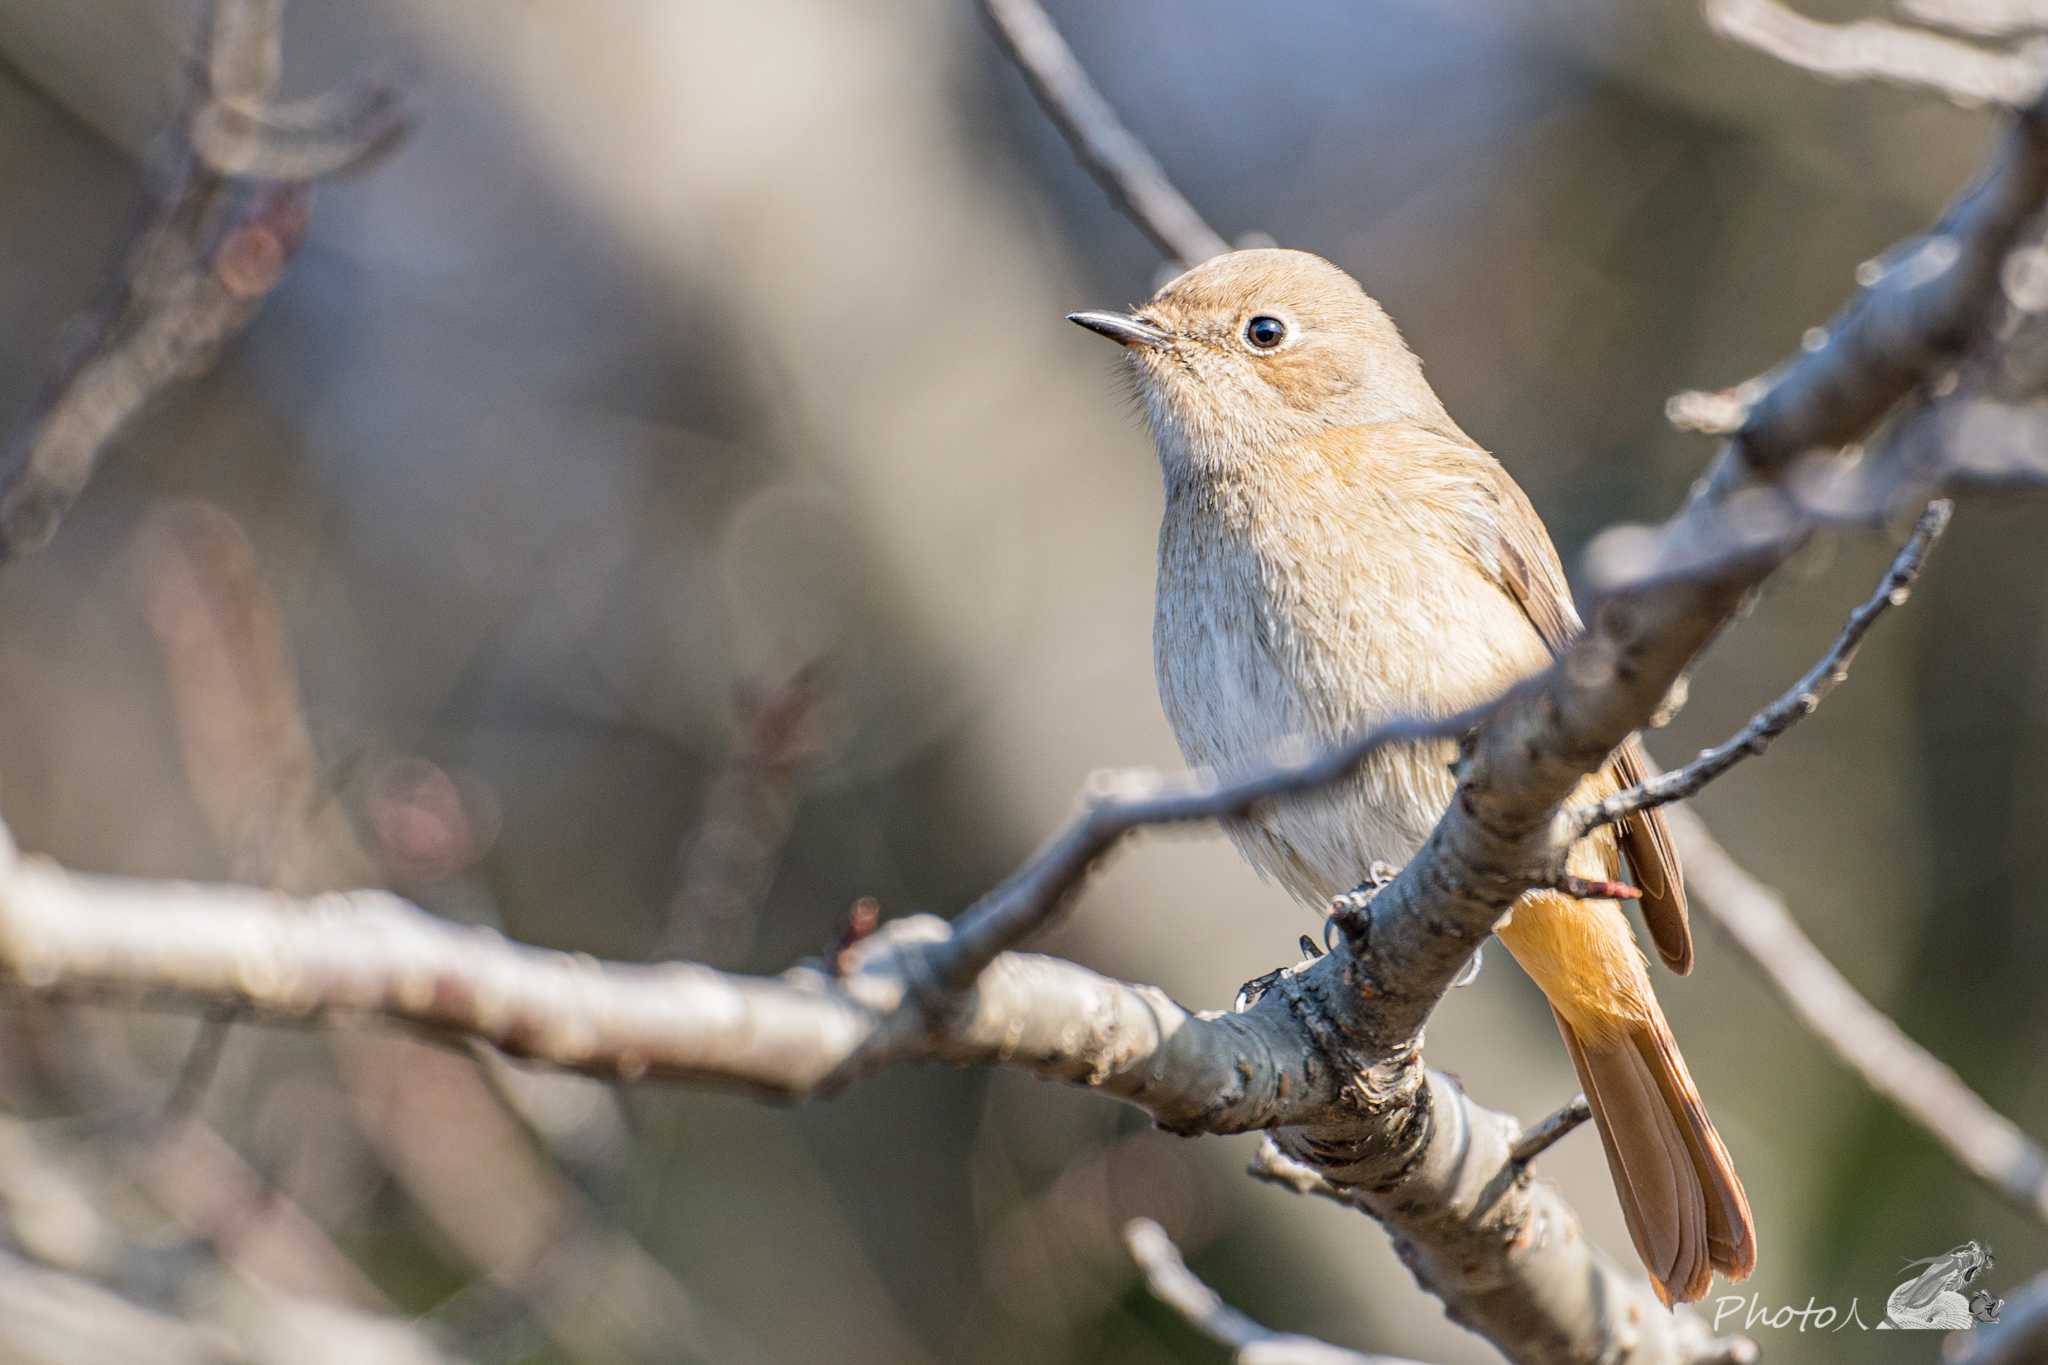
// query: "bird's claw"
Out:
[1248,994]
[1352,904]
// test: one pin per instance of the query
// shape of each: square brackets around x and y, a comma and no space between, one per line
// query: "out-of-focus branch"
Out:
[50,1315]
[2019,1337]
[455,1141]
[1800,701]
[1872,49]
[1918,1084]
[1984,18]
[748,810]
[61,1300]
[1118,161]
[231,219]
[248,754]
[1248,1342]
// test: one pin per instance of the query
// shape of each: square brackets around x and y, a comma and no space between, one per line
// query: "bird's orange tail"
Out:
[1679,1192]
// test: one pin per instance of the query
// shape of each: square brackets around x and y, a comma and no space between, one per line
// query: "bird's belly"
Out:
[1235,703]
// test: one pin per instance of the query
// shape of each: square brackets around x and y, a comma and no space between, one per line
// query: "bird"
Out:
[1336,552]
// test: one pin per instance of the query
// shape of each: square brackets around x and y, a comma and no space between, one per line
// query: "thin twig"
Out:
[1800,701]
[1249,1342]
[1030,896]
[1275,1167]
[1119,162]
[196,1073]
[1550,1131]
[1916,1082]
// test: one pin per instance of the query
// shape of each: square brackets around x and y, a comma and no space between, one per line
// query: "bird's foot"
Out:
[1349,910]
[1248,994]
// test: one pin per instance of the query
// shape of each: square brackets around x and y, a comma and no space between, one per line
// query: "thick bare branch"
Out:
[1800,701]
[1488,1245]
[1917,1083]
[371,954]
[1249,1343]
[1118,161]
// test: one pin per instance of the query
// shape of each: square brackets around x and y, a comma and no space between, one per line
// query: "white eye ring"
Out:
[1265,332]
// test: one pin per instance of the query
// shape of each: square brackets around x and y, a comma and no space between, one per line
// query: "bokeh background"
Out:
[695,363]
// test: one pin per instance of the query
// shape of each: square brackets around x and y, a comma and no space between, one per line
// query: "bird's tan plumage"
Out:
[1335,551]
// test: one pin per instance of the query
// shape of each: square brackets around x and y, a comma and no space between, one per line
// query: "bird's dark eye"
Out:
[1265,332]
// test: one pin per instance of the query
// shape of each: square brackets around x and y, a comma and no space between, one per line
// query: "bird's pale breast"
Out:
[1270,630]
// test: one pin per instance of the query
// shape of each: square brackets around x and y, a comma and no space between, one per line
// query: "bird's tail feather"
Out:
[1685,1207]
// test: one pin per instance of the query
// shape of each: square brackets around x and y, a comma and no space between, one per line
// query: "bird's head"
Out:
[1253,350]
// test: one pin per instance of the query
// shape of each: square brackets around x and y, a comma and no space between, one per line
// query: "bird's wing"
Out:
[1526,566]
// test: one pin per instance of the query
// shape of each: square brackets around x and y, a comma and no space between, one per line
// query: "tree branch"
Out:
[2019,1337]
[1800,701]
[1118,804]
[219,241]
[1249,1343]
[370,954]
[1551,1131]
[1984,18]
[1914,1081]
[1100,142]
[1873,49]
[1330,1055]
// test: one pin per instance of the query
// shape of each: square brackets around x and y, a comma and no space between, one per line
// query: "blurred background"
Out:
[686,512]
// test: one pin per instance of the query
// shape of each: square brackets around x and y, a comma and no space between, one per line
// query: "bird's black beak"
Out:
[1124,329]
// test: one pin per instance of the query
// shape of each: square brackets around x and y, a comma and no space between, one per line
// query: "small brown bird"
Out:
[1336,552]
